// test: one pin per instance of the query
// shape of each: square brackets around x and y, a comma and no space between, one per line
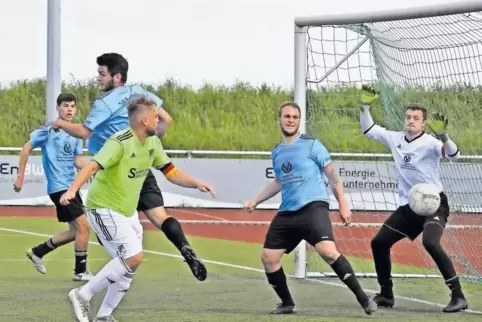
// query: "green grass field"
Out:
[165,290]
[243,117]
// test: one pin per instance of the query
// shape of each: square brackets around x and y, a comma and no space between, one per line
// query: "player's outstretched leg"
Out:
[342,267]
[173,230]
[271,259]
[381,245]
[432,235]
[36,254]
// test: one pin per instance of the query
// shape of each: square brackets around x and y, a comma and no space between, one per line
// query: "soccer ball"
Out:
[424,199]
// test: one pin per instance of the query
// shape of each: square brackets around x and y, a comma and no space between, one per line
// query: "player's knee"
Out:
[271,257]
[431,244]
[157,215]
[81,225]
[328,251]
[379,244]
[133,262]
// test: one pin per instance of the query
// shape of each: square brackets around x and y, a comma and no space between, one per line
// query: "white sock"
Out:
[109,274]
[115,293]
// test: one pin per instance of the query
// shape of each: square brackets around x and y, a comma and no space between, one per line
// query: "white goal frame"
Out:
[301,269]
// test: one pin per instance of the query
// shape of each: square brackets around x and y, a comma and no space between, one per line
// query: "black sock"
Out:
[346,274]
[173,230]
[278,281]
[455,287]
[80,261]
[44,248]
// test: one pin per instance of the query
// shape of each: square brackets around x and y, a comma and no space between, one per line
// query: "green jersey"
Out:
[125,162]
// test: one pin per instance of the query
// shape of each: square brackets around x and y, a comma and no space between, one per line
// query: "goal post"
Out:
[430,55]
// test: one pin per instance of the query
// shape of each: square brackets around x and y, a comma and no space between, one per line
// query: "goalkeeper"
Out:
[417,158]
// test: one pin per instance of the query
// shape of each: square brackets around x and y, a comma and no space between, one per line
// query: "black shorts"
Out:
[150,196]
[408,223]
[288,228]
[70,212]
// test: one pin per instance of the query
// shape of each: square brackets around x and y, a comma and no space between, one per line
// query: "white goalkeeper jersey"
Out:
[416,161]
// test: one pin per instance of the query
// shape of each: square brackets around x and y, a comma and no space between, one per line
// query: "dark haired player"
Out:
[61,155]
[417,158]
[299,162]
[108,116]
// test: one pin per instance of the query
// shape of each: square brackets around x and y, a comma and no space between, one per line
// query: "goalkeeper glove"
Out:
[438,125]
[368,95]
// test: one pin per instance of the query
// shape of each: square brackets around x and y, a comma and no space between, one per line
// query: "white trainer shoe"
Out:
[81,306]
[83,277]
[36,261]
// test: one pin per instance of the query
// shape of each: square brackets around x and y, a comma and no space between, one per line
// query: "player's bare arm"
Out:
[22,164]
[182,179]
[269,192]
[80,162]
[164,116]
[337,187]
[75,129]
[85,174]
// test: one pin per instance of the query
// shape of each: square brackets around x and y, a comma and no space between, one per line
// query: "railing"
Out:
[193,153]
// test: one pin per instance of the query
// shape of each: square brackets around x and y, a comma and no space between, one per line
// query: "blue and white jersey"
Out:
[299,168]
[59,150]
[109,114]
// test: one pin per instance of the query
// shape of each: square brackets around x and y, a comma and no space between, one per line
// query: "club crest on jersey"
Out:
[67,148]
[151,153]
[286,167]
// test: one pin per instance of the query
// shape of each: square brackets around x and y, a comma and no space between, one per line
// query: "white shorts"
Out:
[121,236]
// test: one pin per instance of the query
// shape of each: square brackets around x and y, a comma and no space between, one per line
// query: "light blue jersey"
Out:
[59,150]
[109,114]
[299,168]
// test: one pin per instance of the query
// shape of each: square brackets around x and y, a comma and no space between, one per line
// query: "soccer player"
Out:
[417,158]
[109,115]
[125,160]
[61,155]
[299,162]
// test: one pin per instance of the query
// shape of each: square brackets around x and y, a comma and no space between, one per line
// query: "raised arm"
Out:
[369,128]
[164,118]
[438,125]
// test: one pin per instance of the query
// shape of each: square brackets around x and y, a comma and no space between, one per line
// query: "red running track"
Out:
[463,245]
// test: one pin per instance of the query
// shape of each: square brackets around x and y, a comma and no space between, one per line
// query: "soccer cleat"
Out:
[383,301]
[195,264]
[284,309]
[36,261]
[109,318]
[83,277]
[457,304]
[369,305]
[81,306]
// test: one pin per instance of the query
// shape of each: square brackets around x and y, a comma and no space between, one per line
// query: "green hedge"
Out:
[243,117]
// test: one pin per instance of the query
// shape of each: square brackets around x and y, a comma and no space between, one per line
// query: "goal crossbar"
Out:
[390,15]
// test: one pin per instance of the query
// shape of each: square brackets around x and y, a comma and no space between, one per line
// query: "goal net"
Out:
[423,55]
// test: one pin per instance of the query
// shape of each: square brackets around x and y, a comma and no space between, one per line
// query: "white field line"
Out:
[246,268]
